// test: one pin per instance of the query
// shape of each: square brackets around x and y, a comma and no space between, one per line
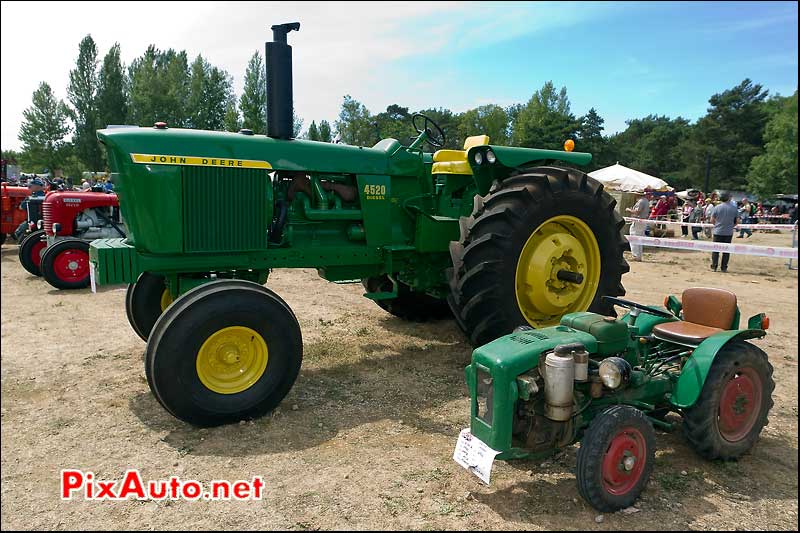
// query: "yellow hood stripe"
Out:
[155,159]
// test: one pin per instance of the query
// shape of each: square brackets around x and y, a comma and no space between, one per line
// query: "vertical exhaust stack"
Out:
[280,104]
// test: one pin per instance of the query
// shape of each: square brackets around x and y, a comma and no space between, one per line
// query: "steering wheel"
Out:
[633,305]
[436,141]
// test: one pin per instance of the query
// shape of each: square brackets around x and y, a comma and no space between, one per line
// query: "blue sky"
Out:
[626,59]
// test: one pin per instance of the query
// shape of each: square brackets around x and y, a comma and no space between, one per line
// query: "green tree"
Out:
[653,145]
[449,122]
[232,120]
[591,140]
[253,102]
[82,94]
[210,89]
[175,66]
[43,130]
[159,88]
[491,120]
[731,133]
[297,125]
[325,131]
[313,133]
[775,171]
[546,120]
[394,123]
[112,97]
[355,123]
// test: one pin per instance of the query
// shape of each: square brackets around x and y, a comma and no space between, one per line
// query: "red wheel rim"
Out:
[36,253]
[739,405]
[624,461]
[71,265]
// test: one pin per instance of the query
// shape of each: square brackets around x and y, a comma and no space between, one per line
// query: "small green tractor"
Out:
[492,236]
[605,382]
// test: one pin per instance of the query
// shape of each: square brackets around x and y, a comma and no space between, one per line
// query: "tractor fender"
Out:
[511,159]
[694,373]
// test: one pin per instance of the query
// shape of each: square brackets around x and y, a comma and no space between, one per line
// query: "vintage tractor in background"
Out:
[12,215]
[59,249]
[493,236]
[606,382]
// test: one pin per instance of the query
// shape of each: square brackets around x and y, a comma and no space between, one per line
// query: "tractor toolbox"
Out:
[611,334]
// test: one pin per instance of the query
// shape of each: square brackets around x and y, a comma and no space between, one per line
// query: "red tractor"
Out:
[11,213]
[59,250]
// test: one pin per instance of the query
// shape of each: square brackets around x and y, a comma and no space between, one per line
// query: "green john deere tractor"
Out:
[492,236]
[605,382]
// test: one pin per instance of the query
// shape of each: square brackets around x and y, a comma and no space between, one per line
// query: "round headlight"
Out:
[490,157]
[478,158]
[614,371]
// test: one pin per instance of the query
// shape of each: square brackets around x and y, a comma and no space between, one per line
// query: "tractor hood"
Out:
[174,146]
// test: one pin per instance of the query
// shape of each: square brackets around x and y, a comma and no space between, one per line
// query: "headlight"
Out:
[478,158]
[40,224]
[490,157]
[614,371]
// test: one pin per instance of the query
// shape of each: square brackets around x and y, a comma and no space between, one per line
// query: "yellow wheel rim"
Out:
[232,359]
[166,299]
[561,244]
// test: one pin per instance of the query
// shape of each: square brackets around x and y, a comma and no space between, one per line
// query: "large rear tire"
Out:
[540,245]
[727,418]
[30,252]
[65,264]
[145,301]
[409,305]
[224,351]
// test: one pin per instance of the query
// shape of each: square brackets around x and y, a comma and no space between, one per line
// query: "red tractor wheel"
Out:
[616,458]
[65,265]
[30,252]
[733,406]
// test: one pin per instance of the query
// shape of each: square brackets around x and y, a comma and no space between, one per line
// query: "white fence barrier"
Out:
[654,222]
[707,246]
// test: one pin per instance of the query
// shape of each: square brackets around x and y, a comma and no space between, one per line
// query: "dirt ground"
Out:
[366,436]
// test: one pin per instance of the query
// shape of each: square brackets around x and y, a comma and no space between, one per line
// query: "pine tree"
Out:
[112,97]
[232,120]
[313,133]
[325,131]
[253,102]
[82,94]
[44,128]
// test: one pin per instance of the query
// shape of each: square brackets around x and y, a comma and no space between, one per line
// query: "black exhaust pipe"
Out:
[280,105]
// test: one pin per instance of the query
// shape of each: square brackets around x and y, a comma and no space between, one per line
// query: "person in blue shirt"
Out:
[724,216]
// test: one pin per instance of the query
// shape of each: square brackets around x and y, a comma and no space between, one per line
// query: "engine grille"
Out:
[47,216]
[225,209]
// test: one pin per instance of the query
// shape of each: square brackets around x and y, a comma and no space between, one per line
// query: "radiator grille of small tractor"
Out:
[224,209]
[47,217]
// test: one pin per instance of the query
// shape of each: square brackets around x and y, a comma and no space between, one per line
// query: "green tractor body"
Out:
[492,236]
[530,397]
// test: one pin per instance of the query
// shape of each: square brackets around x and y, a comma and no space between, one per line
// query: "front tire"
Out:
[727,418]
[541,244]
[409,305]
[145,301]
[65,264]
[224,351]
[30,252]
[616,458]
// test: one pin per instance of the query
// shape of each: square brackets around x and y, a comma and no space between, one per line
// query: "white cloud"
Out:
[341,48]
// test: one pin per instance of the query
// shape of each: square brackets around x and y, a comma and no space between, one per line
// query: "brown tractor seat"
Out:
[705,312]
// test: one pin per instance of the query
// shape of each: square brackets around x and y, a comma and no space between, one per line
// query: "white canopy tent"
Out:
[621,178]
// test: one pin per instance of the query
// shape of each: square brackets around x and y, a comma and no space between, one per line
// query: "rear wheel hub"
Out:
[558,270]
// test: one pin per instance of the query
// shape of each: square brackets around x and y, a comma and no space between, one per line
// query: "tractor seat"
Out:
[705,312]
[455,161]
